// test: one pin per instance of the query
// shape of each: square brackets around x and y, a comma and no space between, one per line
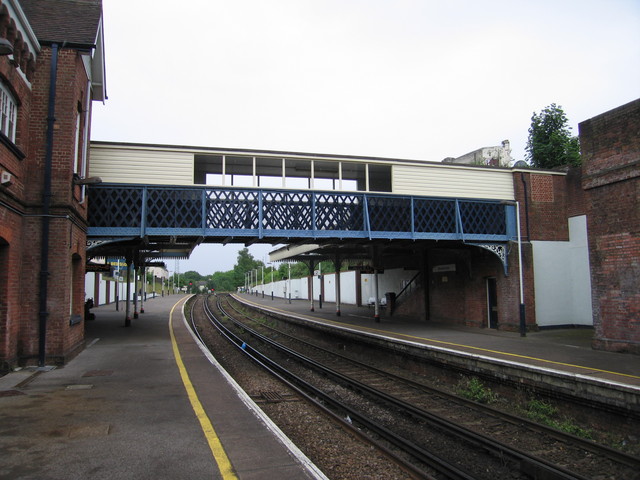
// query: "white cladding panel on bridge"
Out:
[140,165]
[448,181]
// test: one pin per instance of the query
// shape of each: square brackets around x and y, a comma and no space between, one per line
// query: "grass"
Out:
[473,389]
[546,414]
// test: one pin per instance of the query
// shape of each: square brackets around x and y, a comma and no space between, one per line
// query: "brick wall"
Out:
[65,294]
[21,223]
[543,205]
[12,238]
[610,145]
[10,254]
[460,296]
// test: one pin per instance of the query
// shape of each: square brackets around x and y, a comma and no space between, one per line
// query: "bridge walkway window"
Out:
[291,173]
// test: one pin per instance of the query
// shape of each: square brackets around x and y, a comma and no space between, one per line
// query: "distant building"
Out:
[498,156]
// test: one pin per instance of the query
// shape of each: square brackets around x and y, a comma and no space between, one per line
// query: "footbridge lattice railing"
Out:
[141,210]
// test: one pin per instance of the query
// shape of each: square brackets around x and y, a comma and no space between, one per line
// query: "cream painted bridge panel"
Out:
[452,181]
[141,165]
[167,165]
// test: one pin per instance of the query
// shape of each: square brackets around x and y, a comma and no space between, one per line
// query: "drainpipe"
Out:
[526,203]
[46,202]
[85,140]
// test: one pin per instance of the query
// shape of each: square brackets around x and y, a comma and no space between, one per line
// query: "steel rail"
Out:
[309,391]
[529,463]
[588,445]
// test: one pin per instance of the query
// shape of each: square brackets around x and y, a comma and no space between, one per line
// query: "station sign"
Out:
[450,267]
[98,267]
[365,269]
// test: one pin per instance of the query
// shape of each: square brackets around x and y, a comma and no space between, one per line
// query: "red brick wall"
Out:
[10,253]
[576,202]
[610,145]
[21,224]
[12,238]
[544,209]
[67,239]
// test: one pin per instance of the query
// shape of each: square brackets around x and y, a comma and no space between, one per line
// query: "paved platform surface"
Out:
[120,410]
[568,349]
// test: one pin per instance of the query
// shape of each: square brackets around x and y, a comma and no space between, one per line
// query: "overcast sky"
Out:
[414,79]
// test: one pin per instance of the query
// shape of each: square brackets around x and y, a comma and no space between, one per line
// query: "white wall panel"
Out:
[562,279]
[392,280]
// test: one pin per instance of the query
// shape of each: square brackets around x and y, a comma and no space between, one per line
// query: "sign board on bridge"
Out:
[98,267]
[365,269]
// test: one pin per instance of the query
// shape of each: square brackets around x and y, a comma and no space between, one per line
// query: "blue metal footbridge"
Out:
[161,218]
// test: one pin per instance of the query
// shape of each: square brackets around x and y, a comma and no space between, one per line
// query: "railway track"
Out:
[439,435]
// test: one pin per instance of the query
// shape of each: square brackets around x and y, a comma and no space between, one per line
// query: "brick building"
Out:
[51,69]
[610,145]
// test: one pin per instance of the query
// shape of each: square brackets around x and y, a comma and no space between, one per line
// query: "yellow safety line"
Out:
[310,317]
[219,455]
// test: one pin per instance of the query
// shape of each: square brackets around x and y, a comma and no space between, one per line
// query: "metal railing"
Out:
[140,210]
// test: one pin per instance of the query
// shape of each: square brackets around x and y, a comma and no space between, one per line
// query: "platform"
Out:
[120,410]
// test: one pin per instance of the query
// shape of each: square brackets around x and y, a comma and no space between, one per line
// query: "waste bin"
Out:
[391,301]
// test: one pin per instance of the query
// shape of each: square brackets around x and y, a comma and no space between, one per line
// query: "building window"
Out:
[8,113]
[76,152]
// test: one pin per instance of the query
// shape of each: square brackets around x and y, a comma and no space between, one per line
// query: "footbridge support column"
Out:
[136,274]
[143,289]
[338,263]
[312,265]
[376,260]
[376,311]
[424,268]
[127,317]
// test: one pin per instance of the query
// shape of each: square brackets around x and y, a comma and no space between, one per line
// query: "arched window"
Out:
[76,301]
[8,113]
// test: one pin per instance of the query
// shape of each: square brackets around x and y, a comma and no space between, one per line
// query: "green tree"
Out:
[300,270]
[245,263]
[550,143]
[223,281]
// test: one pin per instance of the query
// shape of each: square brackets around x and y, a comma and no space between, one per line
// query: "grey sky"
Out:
[402,79]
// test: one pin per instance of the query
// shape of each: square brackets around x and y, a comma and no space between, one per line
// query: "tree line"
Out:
[229,281]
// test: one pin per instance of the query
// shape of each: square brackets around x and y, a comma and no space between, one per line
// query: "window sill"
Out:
[13,148]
